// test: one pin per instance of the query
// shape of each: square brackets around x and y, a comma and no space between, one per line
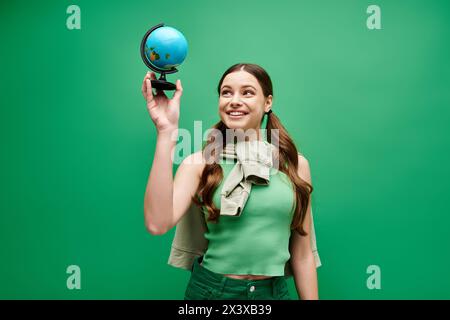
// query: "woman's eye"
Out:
[245,92]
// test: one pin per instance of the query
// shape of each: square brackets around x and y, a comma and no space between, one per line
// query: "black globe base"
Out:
[163,85]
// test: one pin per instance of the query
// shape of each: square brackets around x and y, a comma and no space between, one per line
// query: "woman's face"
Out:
[242,102]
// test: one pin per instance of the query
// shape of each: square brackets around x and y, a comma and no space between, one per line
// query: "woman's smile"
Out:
[236,115]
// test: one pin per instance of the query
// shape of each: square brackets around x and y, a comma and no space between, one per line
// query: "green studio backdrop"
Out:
[368,108]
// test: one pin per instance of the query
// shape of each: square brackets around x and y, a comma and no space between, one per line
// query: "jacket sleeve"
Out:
[189,241]
[288,267]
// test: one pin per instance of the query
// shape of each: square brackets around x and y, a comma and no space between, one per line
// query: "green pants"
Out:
[205,284]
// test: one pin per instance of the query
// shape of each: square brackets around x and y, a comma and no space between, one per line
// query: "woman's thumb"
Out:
[179,90]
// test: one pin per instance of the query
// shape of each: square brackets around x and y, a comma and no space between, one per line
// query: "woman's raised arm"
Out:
[167,199]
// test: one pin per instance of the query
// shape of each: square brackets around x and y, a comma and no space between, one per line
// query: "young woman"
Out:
[247,252]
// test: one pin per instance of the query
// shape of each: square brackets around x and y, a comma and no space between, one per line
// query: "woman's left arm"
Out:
[302,258]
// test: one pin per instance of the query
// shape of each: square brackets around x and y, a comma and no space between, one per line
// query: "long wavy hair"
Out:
[287,157]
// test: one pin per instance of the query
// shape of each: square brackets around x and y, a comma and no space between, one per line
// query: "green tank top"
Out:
[256,242]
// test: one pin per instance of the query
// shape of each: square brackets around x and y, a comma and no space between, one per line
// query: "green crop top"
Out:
[256,242]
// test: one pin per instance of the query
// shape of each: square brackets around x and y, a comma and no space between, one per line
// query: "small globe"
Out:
[165,48]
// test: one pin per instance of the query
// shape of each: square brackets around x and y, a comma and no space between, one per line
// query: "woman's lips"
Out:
[236,114]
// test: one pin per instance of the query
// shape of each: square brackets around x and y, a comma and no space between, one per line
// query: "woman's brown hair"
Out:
[287,157]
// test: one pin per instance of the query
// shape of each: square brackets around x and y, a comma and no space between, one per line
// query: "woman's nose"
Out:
[236,99]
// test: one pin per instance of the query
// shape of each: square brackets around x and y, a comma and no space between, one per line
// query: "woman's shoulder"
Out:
[196,161]
[302,160]
[303,168]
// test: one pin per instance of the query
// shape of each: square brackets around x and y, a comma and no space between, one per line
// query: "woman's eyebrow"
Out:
[244,86]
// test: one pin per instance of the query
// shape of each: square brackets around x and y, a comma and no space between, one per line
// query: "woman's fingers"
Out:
[178,91]
[152,76]
[147,90]
[149,93]
[144,85]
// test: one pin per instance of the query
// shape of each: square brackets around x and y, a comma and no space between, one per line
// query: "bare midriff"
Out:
[245,276]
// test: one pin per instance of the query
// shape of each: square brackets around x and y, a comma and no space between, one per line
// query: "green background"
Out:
[368,108]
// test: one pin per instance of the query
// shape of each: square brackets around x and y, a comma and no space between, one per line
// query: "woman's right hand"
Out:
[163,111]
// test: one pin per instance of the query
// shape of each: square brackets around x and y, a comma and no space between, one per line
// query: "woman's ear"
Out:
[268,103]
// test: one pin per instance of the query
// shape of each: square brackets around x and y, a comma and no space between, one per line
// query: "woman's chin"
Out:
[234,125]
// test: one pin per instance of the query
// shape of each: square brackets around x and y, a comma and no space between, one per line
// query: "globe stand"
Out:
[161,83]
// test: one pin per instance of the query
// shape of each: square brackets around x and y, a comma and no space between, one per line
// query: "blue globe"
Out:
[165,48]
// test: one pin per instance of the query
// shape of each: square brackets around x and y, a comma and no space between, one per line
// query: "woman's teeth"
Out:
[237,113]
